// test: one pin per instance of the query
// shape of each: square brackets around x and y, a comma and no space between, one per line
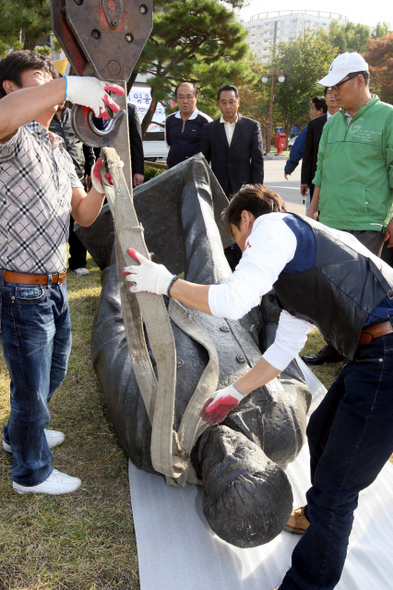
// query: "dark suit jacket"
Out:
[309,164]
[242,161]
[137,156]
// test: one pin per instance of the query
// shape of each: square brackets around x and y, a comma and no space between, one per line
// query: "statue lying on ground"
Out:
[248,497]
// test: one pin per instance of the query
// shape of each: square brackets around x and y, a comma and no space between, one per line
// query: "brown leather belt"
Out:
[374,332]
[28,279]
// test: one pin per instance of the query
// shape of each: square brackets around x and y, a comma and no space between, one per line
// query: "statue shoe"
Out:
[54,438]
[328,354]
[297,522]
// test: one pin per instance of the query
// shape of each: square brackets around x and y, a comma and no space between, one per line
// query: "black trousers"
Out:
[78,254]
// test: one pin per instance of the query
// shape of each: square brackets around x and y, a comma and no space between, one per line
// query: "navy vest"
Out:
[333,281]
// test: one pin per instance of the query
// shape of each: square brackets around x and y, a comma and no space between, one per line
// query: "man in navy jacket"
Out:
[183,129]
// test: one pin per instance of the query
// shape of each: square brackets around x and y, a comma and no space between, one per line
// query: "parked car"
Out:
[154,146]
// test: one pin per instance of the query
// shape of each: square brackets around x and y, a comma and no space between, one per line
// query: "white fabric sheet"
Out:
[178,551]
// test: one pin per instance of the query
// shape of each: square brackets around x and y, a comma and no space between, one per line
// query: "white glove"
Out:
[96,175]
[218,407]
[147,275]
[92,93]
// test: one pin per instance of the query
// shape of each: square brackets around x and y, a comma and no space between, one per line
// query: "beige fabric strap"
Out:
[169,450]
[192,426]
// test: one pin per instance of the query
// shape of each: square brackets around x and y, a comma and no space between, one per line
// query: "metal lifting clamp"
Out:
[102,38]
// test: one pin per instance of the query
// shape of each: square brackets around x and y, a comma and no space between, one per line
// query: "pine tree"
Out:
[199,41]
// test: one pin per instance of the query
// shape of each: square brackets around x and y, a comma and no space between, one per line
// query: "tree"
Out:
[303,62]
[254,98]
[195,40]
[9,36]
[381,30]
[349,37]
[28,21]
[379,56]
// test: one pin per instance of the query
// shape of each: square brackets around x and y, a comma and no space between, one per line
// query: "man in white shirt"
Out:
[233,144]
[321,277]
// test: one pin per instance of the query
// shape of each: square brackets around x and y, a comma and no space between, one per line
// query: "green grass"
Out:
[327,372]
[84,540]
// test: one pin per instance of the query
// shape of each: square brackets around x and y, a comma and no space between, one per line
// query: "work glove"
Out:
[96,175]
[92,93]
[147,275]
[218,407]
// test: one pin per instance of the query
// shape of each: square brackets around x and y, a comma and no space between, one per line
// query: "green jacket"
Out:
[355,169]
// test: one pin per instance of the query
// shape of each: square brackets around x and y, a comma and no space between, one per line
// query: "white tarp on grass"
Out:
[178,551]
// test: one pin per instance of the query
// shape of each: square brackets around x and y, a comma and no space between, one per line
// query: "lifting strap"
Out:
[170,450]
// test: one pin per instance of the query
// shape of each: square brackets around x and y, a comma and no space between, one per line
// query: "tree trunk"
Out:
[131,80]
[147,119]
[30,42]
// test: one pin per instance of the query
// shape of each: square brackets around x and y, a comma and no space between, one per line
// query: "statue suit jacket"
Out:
[310,154]
[242,161]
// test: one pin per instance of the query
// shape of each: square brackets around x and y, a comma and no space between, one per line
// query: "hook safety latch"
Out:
[85,128]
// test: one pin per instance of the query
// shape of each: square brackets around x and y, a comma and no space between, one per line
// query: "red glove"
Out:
[218,407]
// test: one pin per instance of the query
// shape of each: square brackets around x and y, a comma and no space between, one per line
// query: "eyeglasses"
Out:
[337,86]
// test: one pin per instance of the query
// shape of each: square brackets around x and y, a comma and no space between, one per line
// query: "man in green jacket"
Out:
[354,177]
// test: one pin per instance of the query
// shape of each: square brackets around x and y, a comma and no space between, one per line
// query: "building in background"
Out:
[268,28]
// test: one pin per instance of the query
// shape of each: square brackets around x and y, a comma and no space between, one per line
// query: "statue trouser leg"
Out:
[350,438]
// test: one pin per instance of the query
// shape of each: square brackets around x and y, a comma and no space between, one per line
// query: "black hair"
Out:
[365,74]
[227,88]
[190,83]
[320,103]
[16,62]
[255,198]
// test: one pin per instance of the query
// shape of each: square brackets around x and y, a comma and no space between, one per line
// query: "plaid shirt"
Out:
[36,180]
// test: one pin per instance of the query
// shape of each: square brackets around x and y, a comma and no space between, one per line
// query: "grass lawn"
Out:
[84,540]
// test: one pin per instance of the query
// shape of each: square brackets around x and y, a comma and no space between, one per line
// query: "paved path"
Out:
[289,190]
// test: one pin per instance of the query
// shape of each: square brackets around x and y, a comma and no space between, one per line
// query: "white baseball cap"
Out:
[344,64]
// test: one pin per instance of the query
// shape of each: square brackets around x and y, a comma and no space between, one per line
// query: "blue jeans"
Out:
[36,341]
[350,436]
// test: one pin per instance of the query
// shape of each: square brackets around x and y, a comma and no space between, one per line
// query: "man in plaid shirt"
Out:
[38,191]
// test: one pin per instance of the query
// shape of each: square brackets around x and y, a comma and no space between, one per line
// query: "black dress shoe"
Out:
[328,354]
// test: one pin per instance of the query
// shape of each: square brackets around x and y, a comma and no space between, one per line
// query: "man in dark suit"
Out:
[314,132]
[233,144]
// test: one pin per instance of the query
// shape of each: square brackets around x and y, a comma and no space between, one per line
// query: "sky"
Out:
[365,13]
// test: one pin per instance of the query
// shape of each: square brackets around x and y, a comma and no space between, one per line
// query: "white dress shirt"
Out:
[271,245]
[229,128]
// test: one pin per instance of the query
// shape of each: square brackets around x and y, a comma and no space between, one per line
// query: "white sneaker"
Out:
[81,272]
[57,483]
[54,438]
